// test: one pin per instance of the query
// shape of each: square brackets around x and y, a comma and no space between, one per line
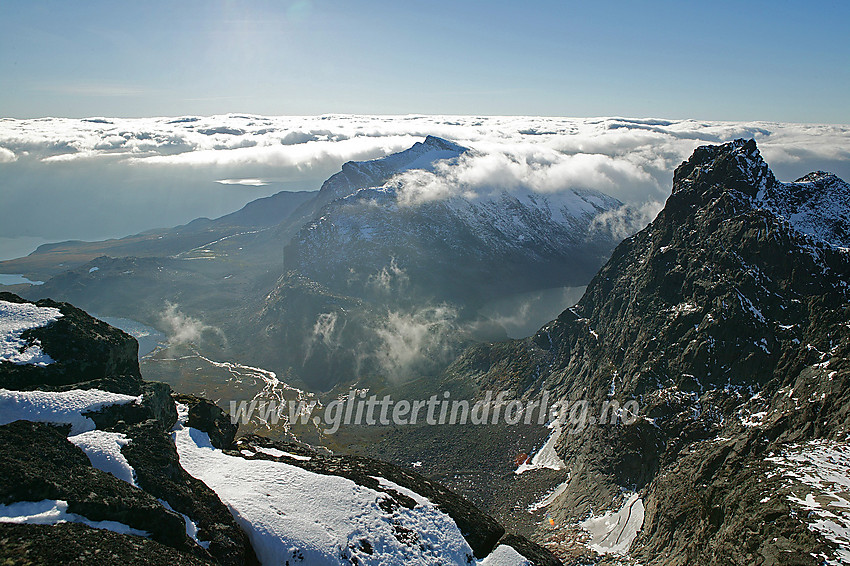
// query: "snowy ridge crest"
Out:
[817,204]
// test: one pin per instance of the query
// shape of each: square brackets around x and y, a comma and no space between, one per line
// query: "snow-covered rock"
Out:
[293,514]
[104,451]
[51,512]
[817,204]
[15,318]
[59,407]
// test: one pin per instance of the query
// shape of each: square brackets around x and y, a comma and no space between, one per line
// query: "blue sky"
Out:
[780,61]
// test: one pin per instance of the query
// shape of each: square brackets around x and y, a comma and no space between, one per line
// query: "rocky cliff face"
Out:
[725,320]
[98,461]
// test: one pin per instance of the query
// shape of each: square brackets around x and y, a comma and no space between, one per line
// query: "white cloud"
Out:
[391,279]
[411,341]
[244,182]
[7,156]
[184,329]
[539,169]
[139,164]
[627,220]
[325,331]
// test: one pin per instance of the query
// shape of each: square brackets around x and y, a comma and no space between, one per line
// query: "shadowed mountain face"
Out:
[725,320]
[469,250]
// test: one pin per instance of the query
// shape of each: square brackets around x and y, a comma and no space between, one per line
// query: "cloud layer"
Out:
[102,177]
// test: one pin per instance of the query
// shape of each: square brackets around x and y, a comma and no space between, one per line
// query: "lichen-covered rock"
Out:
[39,463]
[73,543]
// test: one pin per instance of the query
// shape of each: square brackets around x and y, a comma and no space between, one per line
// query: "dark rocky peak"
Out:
[726,320]
[817,204]
[734,165]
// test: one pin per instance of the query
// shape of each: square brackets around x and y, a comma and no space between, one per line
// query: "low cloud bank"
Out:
[182,329]
[109,177]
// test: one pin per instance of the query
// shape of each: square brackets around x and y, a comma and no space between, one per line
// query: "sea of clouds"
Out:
[94,178]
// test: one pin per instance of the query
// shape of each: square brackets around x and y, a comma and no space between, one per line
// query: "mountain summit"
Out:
[373,173]
[817,204]
[457,247]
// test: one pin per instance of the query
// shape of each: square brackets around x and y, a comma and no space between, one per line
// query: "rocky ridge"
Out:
[725,320]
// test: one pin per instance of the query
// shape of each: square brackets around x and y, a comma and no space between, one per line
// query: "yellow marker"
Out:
[551,521]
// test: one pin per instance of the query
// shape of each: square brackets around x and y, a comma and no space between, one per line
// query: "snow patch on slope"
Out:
[613,532]
[15,318]
[59,407]
[104,452]
[53,511]
[504,555]
[290,513]
[546,457]
[191,526]
[819,472]
[279,453]
[550,497]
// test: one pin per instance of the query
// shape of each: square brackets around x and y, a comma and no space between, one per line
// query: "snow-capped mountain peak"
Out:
[362,174]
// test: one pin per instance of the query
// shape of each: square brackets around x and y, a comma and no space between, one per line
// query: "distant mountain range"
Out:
[356,239]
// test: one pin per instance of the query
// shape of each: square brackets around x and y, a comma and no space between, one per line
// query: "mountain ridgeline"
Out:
[726,320]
